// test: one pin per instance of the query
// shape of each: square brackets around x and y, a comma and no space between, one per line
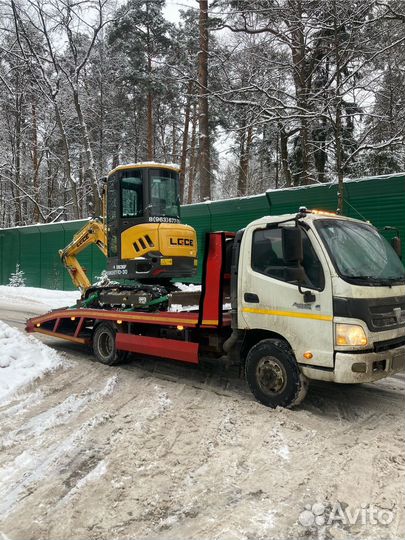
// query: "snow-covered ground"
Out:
[43,298]
[22,360]
[157,450]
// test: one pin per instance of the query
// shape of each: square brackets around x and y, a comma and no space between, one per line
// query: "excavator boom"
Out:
[92,233]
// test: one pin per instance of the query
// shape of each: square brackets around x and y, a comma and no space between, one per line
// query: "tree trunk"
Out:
[35,160]
[174,140]
[66,161]
[204,142]
[338,116]
[302,82]
[284,156]
[192,160]
[89,153]
[184,147]
[338,143]
[50,180]
[17,157]
[150,127]
[150,153]
[246,142]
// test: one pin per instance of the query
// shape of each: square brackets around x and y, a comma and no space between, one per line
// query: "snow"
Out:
[177,308]
[188,287]
[44,298]
[45,224]
[23,359]
[284,452]
[144,164]
[93,476]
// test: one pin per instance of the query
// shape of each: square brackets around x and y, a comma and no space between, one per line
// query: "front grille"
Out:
[380,314]
[388,315]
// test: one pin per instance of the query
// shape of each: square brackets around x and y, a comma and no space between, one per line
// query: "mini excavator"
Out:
[141,235]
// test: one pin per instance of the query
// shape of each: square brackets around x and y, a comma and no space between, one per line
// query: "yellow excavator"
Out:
[140,234]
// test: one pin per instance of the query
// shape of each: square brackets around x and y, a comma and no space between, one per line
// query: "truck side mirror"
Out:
[292,244]
[397,245]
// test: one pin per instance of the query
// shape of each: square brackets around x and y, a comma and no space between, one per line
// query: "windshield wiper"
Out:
[371,279]
[396,280]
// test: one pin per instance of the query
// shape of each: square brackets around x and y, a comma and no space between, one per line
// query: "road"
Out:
[154,449]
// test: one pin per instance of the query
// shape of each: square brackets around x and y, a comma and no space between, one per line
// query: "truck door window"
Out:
[267,259]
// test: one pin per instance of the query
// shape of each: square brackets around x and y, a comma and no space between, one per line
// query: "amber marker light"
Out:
[72,318]
[323,213]
[38,325]
[308,355]
[119,321]
[180,327]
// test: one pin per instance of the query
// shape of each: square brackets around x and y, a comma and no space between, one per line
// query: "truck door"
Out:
[271,293]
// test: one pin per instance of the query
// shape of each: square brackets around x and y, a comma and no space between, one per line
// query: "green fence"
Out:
[380,200]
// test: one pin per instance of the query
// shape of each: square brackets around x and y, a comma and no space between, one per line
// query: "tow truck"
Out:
[313,296]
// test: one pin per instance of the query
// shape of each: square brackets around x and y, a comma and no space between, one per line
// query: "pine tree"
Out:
[17,278]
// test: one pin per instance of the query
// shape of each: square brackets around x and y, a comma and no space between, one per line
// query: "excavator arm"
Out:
[92,233]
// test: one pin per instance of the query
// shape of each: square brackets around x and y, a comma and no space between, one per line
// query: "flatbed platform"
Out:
[180,335]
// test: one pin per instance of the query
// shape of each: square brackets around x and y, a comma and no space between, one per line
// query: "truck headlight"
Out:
[350,335]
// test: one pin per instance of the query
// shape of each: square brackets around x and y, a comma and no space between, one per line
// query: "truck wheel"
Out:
[273,375]
[104,345]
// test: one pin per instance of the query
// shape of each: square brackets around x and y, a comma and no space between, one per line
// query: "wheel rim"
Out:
[271,375]
[106,344]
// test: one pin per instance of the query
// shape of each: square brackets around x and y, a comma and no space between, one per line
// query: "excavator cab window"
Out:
[164,194]
[132,195]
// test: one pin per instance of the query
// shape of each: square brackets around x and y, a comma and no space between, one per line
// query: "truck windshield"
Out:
[164,194]
[360,254]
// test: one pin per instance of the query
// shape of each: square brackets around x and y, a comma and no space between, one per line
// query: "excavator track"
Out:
[142,297]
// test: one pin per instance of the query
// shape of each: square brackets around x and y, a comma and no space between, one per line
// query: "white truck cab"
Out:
[329,289]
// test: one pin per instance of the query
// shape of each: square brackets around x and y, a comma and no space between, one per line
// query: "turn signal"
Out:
[308,355]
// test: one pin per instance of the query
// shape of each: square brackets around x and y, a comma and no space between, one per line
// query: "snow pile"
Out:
[188,287]
[22,360]
[43,298]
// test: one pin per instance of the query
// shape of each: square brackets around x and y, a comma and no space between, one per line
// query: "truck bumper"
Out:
[360,368]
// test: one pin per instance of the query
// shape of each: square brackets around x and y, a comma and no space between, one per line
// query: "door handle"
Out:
[252,298]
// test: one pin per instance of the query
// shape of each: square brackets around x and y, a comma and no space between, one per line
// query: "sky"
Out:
[173,7]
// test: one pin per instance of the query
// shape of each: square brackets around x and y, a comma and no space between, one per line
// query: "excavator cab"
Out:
[145,239]
[140,231]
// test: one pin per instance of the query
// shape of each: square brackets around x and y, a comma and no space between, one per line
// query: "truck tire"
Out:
[104,345]
[273,375]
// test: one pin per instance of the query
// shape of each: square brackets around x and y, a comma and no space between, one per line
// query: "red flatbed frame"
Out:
[77,324]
